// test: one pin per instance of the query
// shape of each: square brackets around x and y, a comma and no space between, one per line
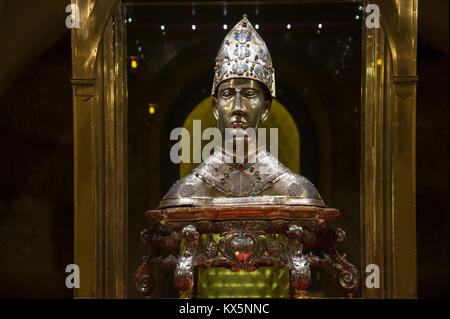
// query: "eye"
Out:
[227,93]
[249,93]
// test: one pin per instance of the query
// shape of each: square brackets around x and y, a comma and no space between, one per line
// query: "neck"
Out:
[237,156]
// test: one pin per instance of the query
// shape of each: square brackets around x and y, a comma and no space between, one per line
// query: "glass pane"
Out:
[316,53]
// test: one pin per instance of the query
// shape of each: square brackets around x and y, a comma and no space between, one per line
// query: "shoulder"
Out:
[184,187]
[288,183]
[295,185]
[188,190]
[300,185]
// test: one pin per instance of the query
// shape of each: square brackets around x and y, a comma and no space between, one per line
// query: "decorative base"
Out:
[242,245]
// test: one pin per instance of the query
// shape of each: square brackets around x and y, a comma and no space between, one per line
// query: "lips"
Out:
[236,124]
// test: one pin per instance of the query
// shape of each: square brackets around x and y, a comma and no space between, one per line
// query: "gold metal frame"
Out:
[100,155]
[388,194]
[388,179]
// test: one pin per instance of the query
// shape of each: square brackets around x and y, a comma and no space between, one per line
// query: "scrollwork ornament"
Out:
[340,235]
[295,232]
[242,248]
[211,249]
[348,276]
[145,280]
[274,247]
[187,190]
[295,189]
[145,236]
[300,272]
[297,262]
[184,271]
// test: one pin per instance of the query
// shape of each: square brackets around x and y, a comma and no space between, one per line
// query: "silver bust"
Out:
[242,92]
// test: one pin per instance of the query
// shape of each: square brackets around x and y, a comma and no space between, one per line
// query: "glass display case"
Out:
[344,109]
[316,53]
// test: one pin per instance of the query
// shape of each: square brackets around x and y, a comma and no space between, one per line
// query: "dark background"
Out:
[36,147]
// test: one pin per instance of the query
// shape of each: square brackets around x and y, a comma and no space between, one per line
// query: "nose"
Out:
[237,106]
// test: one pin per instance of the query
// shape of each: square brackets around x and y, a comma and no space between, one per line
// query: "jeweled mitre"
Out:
[244,54]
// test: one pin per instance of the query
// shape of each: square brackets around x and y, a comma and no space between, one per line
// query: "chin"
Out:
[237,130]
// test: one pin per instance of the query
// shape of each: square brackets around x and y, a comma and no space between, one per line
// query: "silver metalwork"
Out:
[240,104]
[184,272]
[213,184]
[348,275]
[294,189]
[274,247]
[212,249]
[244,54]
[242,246]
[187,190]
[297,262]
[145,279]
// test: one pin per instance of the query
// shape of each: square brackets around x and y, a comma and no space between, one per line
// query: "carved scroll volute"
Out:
[348,275]
[145,280]
[297,262]
[184,272]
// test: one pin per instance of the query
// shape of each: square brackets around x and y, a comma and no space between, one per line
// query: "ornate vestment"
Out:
[220,181]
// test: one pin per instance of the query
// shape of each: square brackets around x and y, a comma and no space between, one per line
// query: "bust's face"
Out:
[240,103]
